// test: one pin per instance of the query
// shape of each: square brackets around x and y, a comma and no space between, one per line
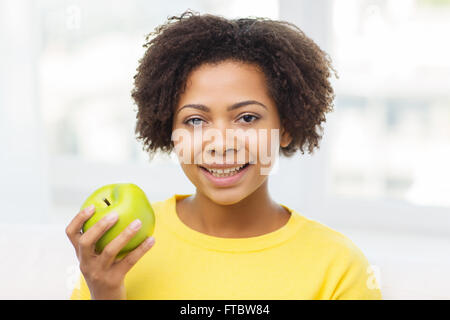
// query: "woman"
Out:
[204,76]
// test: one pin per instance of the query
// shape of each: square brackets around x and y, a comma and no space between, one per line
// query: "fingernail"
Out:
[90,209]
[149,242]
[135,224]
[112,216]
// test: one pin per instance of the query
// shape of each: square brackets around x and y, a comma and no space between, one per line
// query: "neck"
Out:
[255,215]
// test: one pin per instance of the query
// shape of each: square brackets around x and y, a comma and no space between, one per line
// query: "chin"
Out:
[225,197]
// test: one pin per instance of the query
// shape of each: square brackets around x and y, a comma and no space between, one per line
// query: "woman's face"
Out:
[215,134]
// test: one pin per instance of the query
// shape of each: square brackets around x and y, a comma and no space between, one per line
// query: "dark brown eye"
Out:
[248,118]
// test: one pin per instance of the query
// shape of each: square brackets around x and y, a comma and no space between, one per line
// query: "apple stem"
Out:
[106,201]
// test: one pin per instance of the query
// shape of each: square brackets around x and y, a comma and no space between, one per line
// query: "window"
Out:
[391,134]
[69,76]
[383,159]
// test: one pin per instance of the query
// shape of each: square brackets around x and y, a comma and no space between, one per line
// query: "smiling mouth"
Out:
[227,172]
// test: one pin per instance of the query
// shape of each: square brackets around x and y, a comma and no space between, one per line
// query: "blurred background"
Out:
[381,175]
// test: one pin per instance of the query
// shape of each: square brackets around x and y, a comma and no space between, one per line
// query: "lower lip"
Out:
[225,181]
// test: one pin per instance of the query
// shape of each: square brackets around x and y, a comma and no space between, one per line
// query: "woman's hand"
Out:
[104,274]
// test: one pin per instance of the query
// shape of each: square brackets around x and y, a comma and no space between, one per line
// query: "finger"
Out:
[74,227]
[110,252]
[133,257]
[88,239]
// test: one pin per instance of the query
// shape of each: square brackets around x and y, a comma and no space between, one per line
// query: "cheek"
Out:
[185,146]
[191,172]
[265,146]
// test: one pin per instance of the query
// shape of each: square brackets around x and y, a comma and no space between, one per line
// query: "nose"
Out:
[220,152]
[222,146]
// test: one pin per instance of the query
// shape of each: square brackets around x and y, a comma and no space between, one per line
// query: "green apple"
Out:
[131,203]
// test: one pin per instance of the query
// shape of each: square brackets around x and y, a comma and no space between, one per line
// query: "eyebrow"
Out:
[229,108]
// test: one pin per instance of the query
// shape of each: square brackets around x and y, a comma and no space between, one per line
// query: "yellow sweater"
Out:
[304,259]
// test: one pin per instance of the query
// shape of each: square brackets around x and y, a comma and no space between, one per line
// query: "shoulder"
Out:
[325,239]
[347,271]
[161,206]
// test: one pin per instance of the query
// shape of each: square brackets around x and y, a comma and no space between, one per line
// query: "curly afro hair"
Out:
[296,72]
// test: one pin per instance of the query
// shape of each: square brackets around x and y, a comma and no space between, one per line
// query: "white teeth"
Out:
[225,172]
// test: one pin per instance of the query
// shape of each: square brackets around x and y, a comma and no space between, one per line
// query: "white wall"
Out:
[24,183]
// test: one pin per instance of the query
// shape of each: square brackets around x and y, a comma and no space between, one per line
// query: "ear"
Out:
[285,138]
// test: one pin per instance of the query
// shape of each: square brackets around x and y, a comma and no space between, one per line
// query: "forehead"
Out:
[225,80]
